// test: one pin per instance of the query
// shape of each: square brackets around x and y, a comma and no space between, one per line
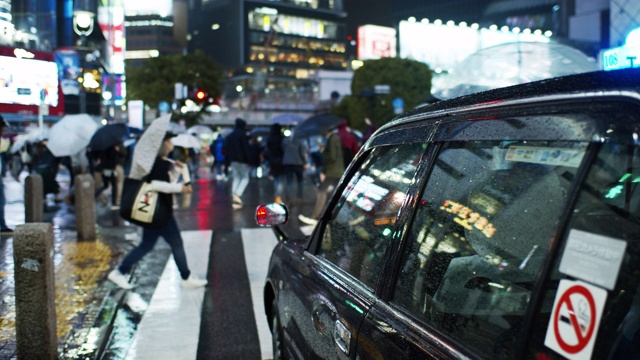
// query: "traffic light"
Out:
[200,96]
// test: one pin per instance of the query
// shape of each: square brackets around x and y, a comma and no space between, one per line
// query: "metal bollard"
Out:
[33,205]
[85,207]
[35,291]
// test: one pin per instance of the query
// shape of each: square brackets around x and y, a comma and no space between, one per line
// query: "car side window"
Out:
[356,237]
[479,237]
[601,254]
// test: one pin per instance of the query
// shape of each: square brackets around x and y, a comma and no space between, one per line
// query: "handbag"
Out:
[141,205]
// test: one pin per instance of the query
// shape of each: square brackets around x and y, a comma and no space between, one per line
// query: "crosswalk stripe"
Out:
[170,326]
[258,244]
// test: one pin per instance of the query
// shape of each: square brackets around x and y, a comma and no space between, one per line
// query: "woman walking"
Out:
[163,176]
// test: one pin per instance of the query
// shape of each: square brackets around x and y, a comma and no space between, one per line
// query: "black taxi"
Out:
[500,225]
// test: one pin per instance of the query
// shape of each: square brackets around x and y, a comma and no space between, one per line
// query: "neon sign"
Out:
[468,218]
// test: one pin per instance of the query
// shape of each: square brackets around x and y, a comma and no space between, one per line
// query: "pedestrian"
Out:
[237,153]
[332,171]
[47,167]
[121,160]
[350,145]
[216,148]
[371,128]
[163,177]
[316,144]
[294,161]
[107,161]
[4,229]
[273,154]
[255,156]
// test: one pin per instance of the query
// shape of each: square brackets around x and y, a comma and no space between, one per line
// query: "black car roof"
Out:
[625,79]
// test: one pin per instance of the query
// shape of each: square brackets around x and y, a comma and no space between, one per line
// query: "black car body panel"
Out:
[474,220]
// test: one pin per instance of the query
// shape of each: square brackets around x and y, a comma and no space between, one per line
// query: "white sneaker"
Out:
[307,220]
[119,279]
[236,206]
[193,282]
[236,199]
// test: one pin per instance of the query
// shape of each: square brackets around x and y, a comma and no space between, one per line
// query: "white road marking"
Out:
[170,327]
[258,244]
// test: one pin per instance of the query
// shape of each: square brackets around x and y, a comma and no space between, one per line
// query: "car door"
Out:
[590,305]
[478,238]
[335,281]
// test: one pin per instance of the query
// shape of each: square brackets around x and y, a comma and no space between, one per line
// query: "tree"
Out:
[407,79]
[155,80]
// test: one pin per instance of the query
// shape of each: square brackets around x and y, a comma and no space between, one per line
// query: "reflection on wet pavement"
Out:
[80,269]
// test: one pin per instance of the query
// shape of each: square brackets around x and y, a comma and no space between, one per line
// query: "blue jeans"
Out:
[171,235]
[240,172]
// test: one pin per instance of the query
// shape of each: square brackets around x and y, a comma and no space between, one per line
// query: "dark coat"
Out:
[273,150]
[237,144]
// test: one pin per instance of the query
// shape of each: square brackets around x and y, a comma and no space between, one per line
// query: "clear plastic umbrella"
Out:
[186,141]
[511,64]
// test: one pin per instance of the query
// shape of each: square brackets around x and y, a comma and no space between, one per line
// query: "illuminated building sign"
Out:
[468,218]
[375,42]
[24,80]
[443,45]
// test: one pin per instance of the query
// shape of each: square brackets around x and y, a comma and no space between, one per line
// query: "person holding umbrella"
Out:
[3,225]
[151,163]
[330,177]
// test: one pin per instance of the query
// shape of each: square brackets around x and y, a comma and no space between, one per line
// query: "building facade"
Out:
[154,30]
[272,49]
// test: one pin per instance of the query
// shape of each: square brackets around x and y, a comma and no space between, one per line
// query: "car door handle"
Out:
[318,324]
[342,337]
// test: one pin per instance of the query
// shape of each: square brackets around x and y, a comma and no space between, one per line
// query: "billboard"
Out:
[375,42]
[68,62]
[28,78]
[442,46]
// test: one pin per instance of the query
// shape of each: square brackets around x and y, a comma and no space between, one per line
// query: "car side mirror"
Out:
[272,214]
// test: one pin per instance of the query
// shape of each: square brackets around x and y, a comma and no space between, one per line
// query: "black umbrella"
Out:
[108,136]
[316,125]
[260,131]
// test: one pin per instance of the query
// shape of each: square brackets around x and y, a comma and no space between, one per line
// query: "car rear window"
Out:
[479,237]
[591,308]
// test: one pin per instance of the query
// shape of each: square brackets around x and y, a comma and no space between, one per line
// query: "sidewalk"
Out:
[85,299]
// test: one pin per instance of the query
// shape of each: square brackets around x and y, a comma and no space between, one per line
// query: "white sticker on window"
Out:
[545,155]
[593,258]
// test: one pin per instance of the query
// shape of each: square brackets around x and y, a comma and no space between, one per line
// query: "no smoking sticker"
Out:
[575,318]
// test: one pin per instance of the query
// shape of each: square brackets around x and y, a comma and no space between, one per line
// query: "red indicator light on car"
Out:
[261,215]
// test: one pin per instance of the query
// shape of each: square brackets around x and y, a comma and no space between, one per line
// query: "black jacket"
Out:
[237,144]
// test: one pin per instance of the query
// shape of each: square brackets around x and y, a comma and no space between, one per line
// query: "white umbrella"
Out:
[33,135]
[147,147]
[201,131]
[71,134]
[186,141]
[511,64]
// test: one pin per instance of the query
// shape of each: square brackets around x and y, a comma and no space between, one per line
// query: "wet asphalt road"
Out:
[228,323]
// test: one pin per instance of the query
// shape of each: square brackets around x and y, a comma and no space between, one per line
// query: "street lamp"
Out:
[84,12]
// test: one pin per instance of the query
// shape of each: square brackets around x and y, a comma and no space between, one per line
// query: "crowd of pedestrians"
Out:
[287,159]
